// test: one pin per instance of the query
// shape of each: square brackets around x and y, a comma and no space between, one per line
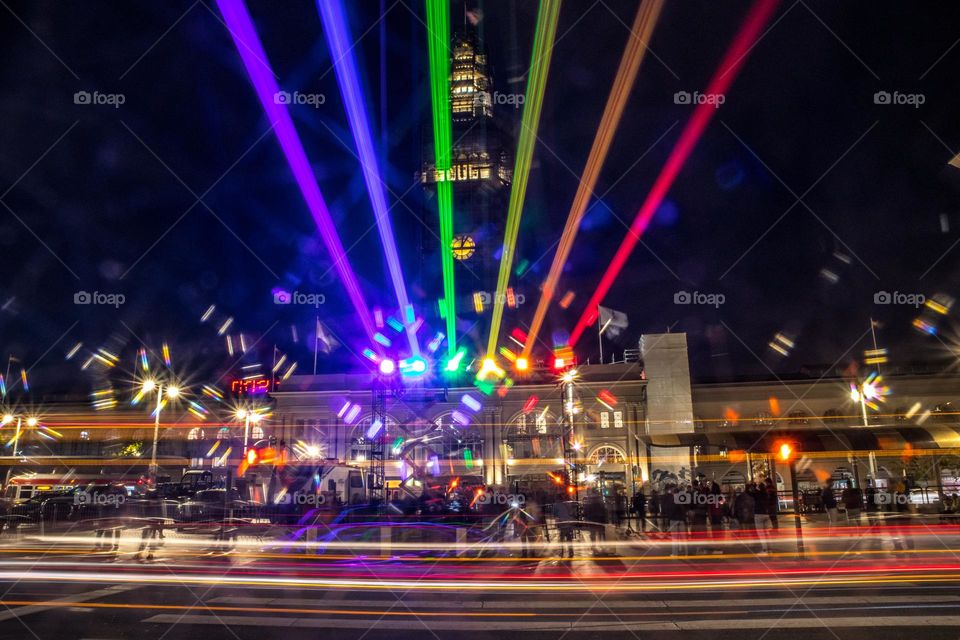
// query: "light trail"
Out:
[341,50]
[438,39]
[733,60]
[529,123]
[651,582]
[640,33]
[241,29]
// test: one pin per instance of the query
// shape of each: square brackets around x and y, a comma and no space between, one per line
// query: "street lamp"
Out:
[787,452]
[168,391]
[571,447]
[8,418]
[249,416]
[867,394]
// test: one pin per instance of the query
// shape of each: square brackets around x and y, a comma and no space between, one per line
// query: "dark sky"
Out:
[103,198]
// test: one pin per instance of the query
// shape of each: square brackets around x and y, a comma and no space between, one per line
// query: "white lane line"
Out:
[508,625]
[19,612]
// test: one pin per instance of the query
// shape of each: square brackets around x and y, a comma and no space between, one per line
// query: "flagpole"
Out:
[873,332]
[600,334]
[316,344]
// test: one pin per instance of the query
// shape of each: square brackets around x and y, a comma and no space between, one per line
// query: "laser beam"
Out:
[529,122]
[244,35]
[438,38]
[643,24]
[341,50]
[733,60]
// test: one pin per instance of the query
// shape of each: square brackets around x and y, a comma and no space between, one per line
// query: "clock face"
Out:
[463,247]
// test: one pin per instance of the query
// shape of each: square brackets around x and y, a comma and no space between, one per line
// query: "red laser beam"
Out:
[743,42]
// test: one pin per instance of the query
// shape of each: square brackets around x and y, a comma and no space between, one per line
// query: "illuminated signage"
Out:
[253,386]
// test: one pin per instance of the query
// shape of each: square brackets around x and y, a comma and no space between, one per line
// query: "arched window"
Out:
[533,435]
[607,454]
[361,440]
[256,432]
[195,434]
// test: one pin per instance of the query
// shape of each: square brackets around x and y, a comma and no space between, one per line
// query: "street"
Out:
[852,584]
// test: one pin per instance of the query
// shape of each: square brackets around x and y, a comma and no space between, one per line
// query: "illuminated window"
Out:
[256,432]
[223,433]
[607,454]
[195,434]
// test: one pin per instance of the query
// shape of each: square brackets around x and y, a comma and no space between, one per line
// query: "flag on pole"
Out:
[612,322]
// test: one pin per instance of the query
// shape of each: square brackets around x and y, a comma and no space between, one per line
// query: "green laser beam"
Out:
[438,39]
[529,122]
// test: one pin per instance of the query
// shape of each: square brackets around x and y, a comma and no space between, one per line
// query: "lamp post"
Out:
[864,393]
[787,452]
[571,447]
[249,416]
[171,392]
[8,418]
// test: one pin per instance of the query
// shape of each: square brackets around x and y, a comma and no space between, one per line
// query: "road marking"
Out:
[29,607]
[576,625]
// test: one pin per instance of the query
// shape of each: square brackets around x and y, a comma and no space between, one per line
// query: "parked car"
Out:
[29,511]
[213,505]
[924,496]
[92,501]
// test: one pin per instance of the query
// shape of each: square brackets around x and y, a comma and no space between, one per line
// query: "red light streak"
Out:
[750,30]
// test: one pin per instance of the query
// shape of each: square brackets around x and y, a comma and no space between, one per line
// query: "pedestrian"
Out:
[640,508]
[829,500]
[743,508]
[676,515]
[773,502]
[761,516]
[563,514]
[715,508]
[853,503]
[595,513]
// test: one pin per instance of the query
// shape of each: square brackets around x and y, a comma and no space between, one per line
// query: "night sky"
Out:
[180,198]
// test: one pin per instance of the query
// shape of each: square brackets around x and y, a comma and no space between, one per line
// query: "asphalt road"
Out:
[850,586]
